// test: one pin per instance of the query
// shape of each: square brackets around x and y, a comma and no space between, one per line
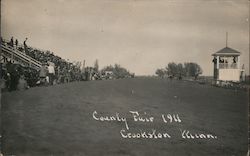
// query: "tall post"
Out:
[217,68]
[83,67]
[238,62]
[226,38]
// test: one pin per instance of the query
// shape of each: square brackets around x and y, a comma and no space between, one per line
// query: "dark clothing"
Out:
[13,81]
[25,47]
[16,42]
[11,43]
[51,78]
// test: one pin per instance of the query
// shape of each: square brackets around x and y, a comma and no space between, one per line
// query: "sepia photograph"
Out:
[124,78]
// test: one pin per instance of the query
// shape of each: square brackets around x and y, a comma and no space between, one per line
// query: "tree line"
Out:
[117,71]
[188,69]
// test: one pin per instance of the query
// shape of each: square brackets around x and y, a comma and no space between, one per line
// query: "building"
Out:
[227,65]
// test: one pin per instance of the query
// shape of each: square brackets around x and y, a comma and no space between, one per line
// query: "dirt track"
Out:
[58,120]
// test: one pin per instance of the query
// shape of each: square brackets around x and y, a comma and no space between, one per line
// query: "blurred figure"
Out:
[43,74]
[7,81]
[16,43]
[14,77]
[22,83]
[2,41]
[25,46]
[51,72]
[11,43]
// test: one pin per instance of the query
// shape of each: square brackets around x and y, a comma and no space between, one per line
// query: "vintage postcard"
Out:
[124,77]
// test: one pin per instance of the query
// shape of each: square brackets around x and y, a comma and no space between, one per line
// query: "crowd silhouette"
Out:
[54,70]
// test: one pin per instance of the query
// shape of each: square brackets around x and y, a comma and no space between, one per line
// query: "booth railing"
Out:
[228,65]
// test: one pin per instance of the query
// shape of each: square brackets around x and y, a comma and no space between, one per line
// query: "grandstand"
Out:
[42,67]
[17,60]
[17,57]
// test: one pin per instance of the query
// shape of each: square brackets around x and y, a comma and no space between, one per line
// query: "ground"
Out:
[58,120]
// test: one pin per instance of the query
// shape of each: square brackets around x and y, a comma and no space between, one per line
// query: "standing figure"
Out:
[16,43]
[43,74]
[51,72]
[22,83]
[11,43]
[25,46]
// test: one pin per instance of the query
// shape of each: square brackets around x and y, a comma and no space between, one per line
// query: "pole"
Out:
[226,38]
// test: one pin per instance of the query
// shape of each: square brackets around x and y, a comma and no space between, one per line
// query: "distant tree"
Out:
[108,68]
[188,69]
[172,69]
[192,69]
[118,71]
[160,72]
[180,70]
[198,70]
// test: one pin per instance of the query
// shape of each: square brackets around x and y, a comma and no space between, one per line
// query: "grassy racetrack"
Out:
[57,120]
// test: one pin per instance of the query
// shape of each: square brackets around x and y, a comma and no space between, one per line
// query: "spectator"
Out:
[234,60]
[11,43]
[14,77]
[7,81]
[2,41]
[25,46]
[22,83]
[42,74]
[51,72]
[16,43]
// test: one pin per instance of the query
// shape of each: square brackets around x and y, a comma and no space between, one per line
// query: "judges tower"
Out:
[227,65]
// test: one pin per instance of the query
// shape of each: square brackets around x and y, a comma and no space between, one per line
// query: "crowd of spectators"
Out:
[17,77]
[54,69]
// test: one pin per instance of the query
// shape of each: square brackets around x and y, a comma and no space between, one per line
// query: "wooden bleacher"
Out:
[16,56]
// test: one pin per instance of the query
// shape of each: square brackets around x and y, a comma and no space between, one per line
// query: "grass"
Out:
[58,120]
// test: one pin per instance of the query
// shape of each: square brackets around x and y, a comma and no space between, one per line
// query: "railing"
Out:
[228,66]
[20,57]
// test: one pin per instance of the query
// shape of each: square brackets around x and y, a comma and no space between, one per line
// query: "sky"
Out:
[140,35]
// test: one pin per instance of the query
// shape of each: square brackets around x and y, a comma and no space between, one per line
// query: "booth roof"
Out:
[227,52]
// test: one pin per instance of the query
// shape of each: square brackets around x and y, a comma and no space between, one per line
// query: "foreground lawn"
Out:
[58,120]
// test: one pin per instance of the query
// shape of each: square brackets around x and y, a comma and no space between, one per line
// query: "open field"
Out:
[58,120]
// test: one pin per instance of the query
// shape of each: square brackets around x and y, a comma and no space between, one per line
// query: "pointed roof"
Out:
[227,52]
